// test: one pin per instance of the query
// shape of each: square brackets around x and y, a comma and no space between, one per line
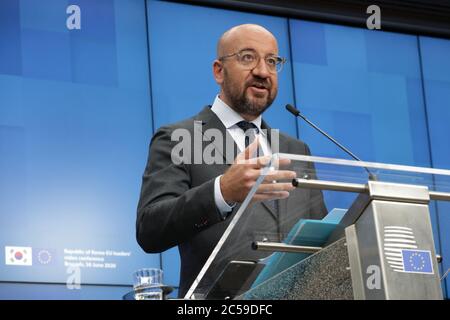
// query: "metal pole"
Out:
[282,247]
[352,187]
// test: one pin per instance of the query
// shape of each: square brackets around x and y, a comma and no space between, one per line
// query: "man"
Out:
[190,205]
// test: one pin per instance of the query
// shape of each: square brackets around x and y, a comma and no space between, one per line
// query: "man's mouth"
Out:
[259,88]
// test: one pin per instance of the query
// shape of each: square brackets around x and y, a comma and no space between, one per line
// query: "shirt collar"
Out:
[228,116]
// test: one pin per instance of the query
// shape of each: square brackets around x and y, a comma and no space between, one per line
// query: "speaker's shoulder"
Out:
[294,145]
[187,124]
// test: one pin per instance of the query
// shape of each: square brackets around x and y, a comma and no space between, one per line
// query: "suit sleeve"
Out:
[170,212]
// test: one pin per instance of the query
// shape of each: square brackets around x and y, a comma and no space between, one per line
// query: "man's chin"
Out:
[256,109]
[260,104]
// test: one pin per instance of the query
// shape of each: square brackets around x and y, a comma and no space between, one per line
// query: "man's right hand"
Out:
[237,181]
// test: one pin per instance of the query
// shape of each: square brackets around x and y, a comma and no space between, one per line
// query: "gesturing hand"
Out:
[237,181]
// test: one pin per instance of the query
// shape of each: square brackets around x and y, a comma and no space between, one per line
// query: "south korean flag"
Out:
[18,256]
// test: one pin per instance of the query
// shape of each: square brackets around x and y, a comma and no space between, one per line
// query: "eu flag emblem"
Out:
[417,261]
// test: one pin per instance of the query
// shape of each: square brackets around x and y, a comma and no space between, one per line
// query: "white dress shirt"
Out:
[229,118]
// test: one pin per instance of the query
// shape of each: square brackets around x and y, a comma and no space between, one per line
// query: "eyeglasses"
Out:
[250,59]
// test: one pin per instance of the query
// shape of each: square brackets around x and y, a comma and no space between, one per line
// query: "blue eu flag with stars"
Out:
[417,261]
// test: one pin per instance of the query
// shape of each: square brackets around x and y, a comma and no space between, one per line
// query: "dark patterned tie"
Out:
[250,131]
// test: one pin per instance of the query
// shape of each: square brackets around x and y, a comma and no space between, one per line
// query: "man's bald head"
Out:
[232,38]
[245,70]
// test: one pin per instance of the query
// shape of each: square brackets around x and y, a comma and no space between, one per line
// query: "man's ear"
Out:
[218,71]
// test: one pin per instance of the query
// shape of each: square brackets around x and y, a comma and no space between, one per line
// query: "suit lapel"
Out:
[281,145]
[210,121]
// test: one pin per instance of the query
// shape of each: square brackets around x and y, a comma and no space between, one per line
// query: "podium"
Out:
[379,245]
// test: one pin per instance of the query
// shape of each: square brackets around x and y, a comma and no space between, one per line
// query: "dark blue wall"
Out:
[78,107]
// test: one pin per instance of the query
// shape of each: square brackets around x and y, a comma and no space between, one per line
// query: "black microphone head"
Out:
[292,110]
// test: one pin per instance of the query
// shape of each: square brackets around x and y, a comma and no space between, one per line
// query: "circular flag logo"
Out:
[44,257]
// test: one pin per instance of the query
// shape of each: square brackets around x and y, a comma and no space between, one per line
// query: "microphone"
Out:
[297,113]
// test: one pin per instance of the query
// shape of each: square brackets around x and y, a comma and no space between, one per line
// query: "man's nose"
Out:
[261,70]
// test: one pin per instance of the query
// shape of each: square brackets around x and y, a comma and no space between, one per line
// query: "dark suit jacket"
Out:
[177,207]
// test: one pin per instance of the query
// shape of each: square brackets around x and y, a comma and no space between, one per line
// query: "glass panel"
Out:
[307,218]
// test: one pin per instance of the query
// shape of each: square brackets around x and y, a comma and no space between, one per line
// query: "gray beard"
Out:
[242,105]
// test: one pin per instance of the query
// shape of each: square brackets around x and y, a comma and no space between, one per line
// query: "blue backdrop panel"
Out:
[183,41]
[24,291]
[75,121]
[365,89]
[436,74]
[10,39]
